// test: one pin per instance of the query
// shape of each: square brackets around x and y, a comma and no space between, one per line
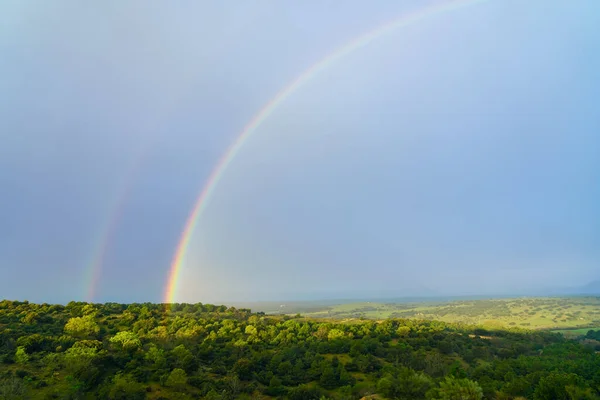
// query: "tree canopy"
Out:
[191,351]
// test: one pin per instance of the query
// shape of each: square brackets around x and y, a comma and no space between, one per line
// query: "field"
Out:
[553,313]
[573,333]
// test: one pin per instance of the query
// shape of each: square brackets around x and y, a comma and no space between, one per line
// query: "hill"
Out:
[591,288]
[192,351]
[527,312]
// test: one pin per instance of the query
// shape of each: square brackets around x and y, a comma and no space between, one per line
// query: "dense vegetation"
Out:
[191,351]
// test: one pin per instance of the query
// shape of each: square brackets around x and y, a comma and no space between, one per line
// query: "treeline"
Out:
[192,351]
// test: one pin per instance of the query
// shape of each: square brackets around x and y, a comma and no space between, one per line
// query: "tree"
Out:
[79,362]
[275,387]
[406,385]
[21,356]
[126,340]
[554,386]
[329,379]
[82,327]
[183,358]
[403,331]
[243,368]
[304,392]
[177,379]
[335,334]
[90,310]
[458,389]
[234,386]
[156,356]
[577,393]
[124,387]
[344,378]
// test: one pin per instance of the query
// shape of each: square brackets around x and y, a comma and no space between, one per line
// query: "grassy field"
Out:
[576,331]
[577,314]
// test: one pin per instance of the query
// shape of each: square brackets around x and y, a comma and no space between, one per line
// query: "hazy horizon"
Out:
[454,156]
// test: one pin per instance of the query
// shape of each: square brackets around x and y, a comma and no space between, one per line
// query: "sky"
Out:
[458,155]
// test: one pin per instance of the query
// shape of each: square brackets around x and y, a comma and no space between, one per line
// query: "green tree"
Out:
[126,340]
[234,386]
[80,363]
[335,334]
[251,330]
[82,327]
[577,393]
[554,386]
[304,392]
[156,357]
[406,385]
[21,356]
[275,387]
[458,389]
[329,379]
[344,378]
[177,379]
[183,358]
[124,387]
[403,331]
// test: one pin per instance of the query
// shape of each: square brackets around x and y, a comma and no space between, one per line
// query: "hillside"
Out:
[191,351]
[534,313]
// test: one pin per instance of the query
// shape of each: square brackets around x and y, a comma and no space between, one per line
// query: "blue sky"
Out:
[458,155]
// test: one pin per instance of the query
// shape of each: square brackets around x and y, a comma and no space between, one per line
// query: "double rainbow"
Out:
[219,170]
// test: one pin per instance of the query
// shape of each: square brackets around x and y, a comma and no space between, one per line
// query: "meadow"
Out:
[574,314]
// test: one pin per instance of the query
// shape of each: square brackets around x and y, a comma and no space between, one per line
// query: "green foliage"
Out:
[458,389]
[188,351]
[79,362]
[305,392]
[177,379]
[405,384]
[335,334]
[403,331]
[21,356]
[554,387]
[275,387]
[126,340]
[82,327]
[155,356]
[13,388]
[329,378]
[124,387]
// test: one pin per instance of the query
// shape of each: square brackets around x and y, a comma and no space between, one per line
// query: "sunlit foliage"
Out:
[191,351]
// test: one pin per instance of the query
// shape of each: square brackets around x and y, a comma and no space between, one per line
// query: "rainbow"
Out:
[218,171]
[117,207]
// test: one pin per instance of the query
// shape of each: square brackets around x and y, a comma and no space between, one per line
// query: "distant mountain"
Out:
[591,288]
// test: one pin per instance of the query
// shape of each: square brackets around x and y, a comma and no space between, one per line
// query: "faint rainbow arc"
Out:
[267,110]
[117,208]
[118,203]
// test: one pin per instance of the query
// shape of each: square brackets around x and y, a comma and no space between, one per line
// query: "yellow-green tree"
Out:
[126,340]
[82,327]
[21,356]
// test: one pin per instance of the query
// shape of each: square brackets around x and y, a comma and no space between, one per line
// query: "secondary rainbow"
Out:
[107,233]
[217,173]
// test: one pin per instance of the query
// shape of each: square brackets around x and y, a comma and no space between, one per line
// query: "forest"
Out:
[201,351]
